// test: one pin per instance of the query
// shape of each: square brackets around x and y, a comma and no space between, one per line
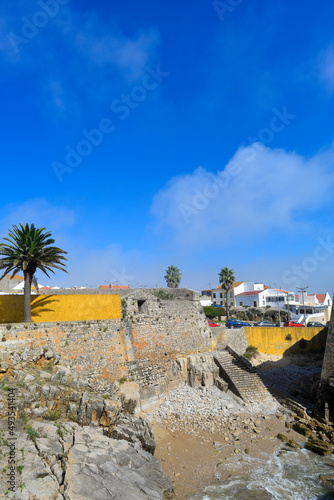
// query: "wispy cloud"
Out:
[88,58]
[252,195]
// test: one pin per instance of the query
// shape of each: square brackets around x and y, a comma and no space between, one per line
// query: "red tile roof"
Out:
[254,292]
[321,297]
[104,286]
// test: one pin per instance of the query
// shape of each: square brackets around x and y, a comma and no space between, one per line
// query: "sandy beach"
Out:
[193,462]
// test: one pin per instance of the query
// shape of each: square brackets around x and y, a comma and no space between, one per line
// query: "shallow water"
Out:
[286,475]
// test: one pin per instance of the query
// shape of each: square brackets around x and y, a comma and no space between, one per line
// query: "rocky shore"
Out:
[204,436]
[72,443]
[199,430]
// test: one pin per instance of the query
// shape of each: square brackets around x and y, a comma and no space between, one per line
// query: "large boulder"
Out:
[100,468]
[136,430]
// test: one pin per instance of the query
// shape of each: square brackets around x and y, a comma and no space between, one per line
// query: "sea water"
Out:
[285,475]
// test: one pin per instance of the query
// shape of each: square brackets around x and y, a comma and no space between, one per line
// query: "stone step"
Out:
[245,383]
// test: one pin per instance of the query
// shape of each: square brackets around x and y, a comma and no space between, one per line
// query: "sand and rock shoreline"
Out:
[201,433]
[195,441]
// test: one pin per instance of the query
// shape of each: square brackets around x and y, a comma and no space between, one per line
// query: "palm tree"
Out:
[173,277]
[226,278]
[27,250]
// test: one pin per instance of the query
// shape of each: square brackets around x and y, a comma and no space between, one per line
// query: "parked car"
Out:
[315,323]
[236,323]
[292,323]
[212,323]
[264,323]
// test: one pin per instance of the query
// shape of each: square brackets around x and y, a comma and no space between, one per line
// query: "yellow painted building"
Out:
[56,308]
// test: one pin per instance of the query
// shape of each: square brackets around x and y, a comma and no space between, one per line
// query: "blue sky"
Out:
[199,135]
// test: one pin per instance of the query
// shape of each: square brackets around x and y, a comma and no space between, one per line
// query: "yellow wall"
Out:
[46,308]
[273,340]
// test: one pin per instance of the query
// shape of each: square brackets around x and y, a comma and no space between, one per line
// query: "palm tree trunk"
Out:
[227,307]
[26,297]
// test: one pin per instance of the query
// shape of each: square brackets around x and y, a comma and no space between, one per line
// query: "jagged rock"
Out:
[39,412]
[327,479]
[90,409]
[293,444]
[318,446]
[302,429]
[78,383]
[36,478]
[282,437]
[135,430]
[111,411]
[221,384]
[201,370]
[100,468]
[49,391]
[128,393]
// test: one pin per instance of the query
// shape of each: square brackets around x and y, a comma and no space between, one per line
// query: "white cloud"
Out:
[106,46]
[101,60]
[259,190]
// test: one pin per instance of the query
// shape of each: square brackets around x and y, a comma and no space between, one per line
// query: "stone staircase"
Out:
[242,381]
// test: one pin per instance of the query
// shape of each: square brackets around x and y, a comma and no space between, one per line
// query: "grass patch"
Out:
[32,433]
[251,352]
[48,367]
[52,415]
[162,295]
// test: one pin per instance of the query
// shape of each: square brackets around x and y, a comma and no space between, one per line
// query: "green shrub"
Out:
[32,433]
[124,308]
[251,352]
[161,294]
[213,312]
[52,415]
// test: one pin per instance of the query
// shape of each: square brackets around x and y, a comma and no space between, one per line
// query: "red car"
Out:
[292,323]
[212,323]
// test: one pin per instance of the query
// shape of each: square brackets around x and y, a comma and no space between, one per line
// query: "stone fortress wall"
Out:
[150,345]
[142,347]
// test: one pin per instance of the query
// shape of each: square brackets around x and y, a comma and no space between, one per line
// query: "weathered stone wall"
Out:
[143,347]
[328,363]
[178,293]
[162,331]
[234,338]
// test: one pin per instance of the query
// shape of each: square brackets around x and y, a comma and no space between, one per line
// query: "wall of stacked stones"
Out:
[177,293]
[328,363]
[162,331]
[142,347]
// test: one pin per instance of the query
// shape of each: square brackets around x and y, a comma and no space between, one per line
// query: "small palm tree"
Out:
[173,277]
[226,278]
[27,250]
